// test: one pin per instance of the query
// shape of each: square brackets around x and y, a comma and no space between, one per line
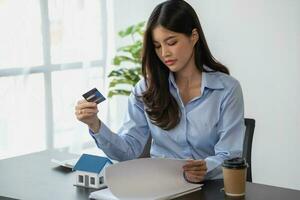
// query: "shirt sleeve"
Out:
[130,140]
[231,131]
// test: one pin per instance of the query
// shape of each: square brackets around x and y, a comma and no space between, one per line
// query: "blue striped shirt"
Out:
[211,126]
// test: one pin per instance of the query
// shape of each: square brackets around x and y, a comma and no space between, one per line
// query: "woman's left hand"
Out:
[195,170]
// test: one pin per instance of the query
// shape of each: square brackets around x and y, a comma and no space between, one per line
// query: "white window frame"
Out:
[48,68]
[80,178]
[92,180]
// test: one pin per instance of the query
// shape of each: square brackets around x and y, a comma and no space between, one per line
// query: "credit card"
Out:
[94,96]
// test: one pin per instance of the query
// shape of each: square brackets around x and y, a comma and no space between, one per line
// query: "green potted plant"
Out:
[127,63]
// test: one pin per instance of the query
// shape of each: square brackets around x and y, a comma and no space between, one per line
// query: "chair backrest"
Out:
[146,151]
[247,148]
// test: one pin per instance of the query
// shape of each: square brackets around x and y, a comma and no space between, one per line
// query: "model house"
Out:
[90,170]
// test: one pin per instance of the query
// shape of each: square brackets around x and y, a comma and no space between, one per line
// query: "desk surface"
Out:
[34,176]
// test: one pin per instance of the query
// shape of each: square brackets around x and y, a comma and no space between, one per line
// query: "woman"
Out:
[187,101]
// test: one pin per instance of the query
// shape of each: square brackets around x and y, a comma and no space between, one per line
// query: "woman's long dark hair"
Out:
[177,16]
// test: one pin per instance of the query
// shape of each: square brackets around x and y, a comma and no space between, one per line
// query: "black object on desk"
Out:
[34,176]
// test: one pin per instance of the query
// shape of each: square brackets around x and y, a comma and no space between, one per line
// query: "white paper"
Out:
[65,163]
[147,178]
[104,194]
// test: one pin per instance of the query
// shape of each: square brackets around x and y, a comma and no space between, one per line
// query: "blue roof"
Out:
[91,163]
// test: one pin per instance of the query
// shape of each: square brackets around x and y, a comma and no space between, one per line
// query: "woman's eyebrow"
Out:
[166,39]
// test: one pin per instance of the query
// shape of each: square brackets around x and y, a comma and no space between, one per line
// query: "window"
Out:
[101,180]
[48,58]
[20,35]
[80,178]
[92,180]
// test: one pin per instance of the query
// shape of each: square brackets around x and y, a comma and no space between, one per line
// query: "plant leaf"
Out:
[118,92]
[120,58]
[117,81]
[129,54]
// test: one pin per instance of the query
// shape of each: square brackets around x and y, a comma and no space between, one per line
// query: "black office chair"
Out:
[146,151]
[247,148]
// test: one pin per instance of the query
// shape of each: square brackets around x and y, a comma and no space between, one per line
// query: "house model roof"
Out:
[91,163]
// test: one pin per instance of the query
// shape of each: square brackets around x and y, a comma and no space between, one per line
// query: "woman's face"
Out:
[175,50]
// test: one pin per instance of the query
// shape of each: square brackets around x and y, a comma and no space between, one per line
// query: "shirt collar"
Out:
[209,80]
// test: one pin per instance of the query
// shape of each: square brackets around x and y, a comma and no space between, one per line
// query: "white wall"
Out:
[260,43]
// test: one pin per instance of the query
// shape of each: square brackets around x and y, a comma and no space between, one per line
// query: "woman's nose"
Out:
[165,52]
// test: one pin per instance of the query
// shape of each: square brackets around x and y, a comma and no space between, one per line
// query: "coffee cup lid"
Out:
[235,163]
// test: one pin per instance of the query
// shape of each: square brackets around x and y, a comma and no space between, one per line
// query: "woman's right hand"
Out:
[86,112]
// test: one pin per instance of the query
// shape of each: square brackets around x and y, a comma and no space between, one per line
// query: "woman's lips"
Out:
[170,62]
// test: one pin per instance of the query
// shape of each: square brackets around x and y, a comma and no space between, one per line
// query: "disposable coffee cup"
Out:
[234,173]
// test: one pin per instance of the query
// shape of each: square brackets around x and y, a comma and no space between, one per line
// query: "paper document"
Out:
[145,179]
[104,194]
[70,163]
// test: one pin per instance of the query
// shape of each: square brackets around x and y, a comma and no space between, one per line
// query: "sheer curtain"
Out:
[51,52]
